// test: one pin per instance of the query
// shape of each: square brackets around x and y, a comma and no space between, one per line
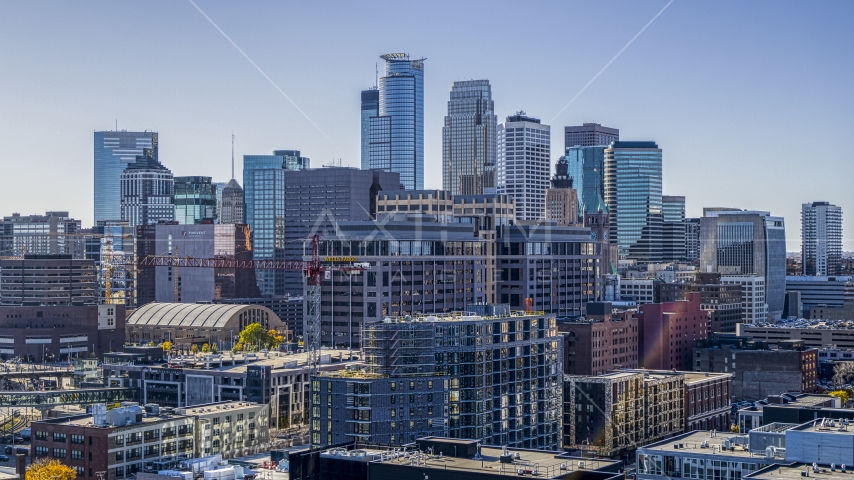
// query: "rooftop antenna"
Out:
[232,156]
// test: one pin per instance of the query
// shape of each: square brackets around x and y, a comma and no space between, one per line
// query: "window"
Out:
[41,435]
[80,471]
[77,454]
[59,437]
[59,453]
[78,439]
[41,451]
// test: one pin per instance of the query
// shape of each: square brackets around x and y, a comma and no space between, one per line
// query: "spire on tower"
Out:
[232,156]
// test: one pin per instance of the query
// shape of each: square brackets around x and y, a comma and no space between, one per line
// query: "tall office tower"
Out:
[195,200]
[317,200]
[586,167]
[370,108]
[692,240]
[523,164]
[468,140]
[114,151]
[742,242]
[561,198]
[590,134]
[672,228]
[633,197]
[232,205]
[148,191]
[281,160]
[397,132]
[40,235]
[218,186]
[821,239]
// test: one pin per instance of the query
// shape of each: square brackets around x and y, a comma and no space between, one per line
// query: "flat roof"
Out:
[547,464]
[690,442]
[794,470]
[277,360]
[826,426]
[700,376]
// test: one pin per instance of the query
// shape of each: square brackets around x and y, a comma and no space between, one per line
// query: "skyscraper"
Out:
[586,167]
[195,200]
[232,206]
[114,151]
[821,238]
[147,191]
[397,132]
[742,243]
[523,164]
[468,140]
[692,240]
[590,134]
[370,108]
[672,228]
[633,196]
[561,198]
[264,194]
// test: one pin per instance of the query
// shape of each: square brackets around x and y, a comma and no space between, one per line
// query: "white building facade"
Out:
[524,168]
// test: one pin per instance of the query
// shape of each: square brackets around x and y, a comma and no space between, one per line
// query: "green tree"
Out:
[253,335]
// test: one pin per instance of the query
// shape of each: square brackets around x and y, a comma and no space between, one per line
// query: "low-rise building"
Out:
[615,413]
[707,401]
[599,342]
[50,333]
[813,333]
[223,427]
[757,370]
[791,408]
[276,379]
[641,290]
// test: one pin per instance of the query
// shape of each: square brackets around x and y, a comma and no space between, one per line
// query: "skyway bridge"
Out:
[83,396]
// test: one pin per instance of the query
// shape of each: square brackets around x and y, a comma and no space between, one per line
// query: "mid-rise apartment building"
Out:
[494,377]
[669,331]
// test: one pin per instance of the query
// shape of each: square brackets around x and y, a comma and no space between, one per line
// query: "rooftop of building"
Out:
[239,363]
[826,426]
[469,316]
[209,315]
[805,323]
[694,377]
[216,407]
[796,471]
[703,442]
[490,460]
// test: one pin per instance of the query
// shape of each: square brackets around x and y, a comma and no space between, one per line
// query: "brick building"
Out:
[39,333]
[601,341]
[707,401]
[759,372]
[669,331]
[721,300]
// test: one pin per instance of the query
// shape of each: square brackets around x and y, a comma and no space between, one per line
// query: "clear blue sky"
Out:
[752,102]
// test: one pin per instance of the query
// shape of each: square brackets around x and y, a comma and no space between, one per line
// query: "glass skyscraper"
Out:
[821,238]
[114,151]
[370,108]
[469,141]
[586,166]
[264,194]
[673,228]
[633,174]
[741,242]
[195,200]
[397,132]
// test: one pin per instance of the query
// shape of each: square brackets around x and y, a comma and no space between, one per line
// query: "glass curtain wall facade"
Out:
[195,200]
[370,108]
[114,151]
[821,238]
[736,242]
[633,175]
[280,159]
[586,166]
[468,140]
[397,133]
[268,229]
[524,164]
[673,228]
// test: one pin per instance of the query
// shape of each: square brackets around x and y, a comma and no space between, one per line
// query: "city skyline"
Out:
[654,90]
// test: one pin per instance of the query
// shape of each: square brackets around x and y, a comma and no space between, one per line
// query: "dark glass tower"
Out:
[370,108]
[195,200]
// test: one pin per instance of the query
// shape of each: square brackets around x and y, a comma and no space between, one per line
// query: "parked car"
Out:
[4,458]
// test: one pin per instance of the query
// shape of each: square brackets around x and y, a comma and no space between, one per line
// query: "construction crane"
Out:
[314,272]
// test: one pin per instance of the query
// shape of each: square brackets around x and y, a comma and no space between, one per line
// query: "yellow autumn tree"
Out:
[49,468]
[166,346]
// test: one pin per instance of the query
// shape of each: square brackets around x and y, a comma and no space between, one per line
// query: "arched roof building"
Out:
[197,323]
